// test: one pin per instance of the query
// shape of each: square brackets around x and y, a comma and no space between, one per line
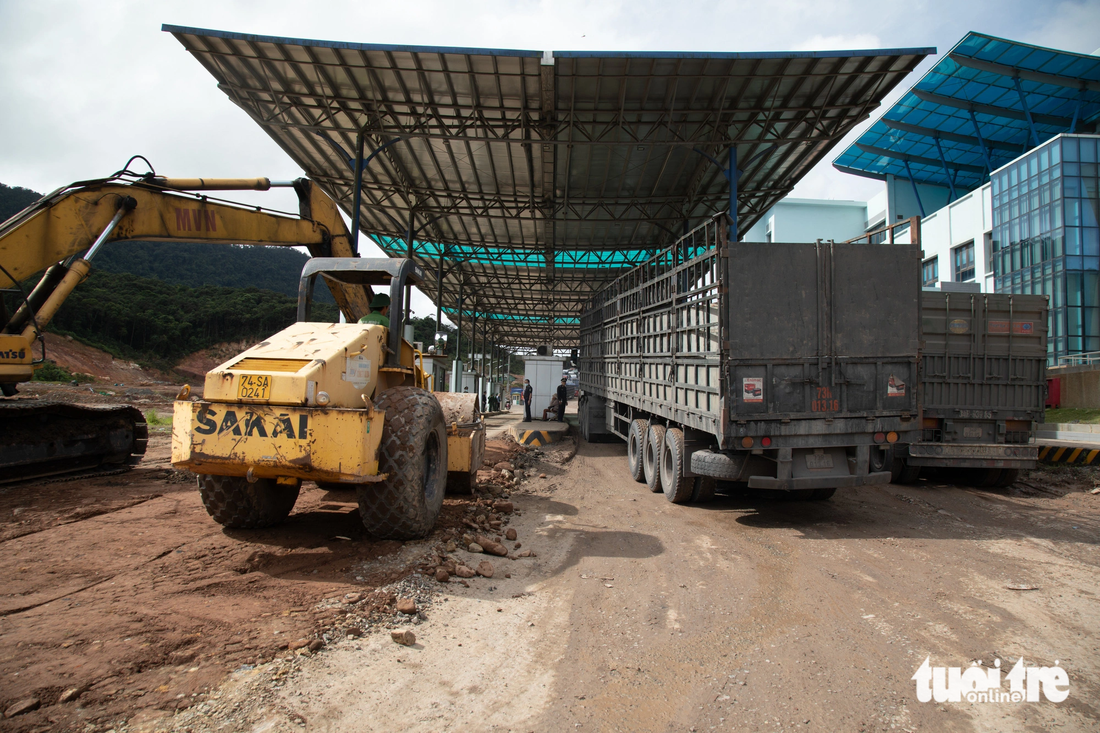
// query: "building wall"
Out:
[955,225]
[808,220]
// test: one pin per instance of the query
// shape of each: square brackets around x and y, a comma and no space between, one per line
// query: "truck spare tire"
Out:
[413,455]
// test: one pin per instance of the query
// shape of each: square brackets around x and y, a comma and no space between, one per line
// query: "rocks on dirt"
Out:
[526,553]
[485,569]
[476,547]
[542,475]
[70,694]
[404,637]
[450,546]
[406,606]
[25,705]
[298,644]
[491,547]
[442,575]
[464,572]
[505,466]
[353,631]
[315,645]
[353,597]
[503,507]
[518,545]
[510,534]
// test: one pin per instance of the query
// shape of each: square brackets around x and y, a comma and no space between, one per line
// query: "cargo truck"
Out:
[983,387]
[790,367]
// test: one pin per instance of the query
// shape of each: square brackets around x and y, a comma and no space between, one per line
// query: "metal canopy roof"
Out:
[536,176]
[984,104]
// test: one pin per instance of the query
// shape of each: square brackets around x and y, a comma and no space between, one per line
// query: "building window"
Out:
[964,262]
[930,272]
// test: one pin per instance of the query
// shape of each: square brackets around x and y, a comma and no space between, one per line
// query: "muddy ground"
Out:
[123,606]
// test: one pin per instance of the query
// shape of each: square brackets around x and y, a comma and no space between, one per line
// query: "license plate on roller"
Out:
[254,387]
[819,460]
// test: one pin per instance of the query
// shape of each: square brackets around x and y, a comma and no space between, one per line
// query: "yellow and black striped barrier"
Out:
[535,437]
[1084,456]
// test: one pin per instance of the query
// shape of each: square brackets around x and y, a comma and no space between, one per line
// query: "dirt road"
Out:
[748,613]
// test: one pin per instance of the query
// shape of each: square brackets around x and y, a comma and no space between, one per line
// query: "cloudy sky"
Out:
[85,85]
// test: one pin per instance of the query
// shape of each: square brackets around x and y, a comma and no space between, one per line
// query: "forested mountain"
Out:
[157,323]
[14,200]
[199,264]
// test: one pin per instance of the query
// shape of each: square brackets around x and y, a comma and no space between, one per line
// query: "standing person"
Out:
[527,400]
[563,395]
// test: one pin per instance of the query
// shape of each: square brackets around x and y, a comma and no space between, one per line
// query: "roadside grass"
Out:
[51,372]
[153,420]
[1073,414]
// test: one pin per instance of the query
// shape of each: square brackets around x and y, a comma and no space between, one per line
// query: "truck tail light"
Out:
[880,437]
[765,442]
[891,437]
[746,442]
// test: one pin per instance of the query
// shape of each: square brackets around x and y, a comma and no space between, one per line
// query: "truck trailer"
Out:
[785,366]
[983,387]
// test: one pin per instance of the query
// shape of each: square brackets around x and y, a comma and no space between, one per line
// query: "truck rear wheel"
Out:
[900,471]
[413,455]
[651,456]
[635,444]
[1008,477]
[674,483]
[703,489]
[236,504]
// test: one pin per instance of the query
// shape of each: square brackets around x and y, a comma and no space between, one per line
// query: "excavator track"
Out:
[40,439]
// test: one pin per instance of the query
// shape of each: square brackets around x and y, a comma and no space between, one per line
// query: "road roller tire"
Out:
[413,455]
[236,504]
[635,447]
[651,456]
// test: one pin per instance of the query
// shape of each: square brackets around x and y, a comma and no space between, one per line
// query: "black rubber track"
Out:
[237,504]
[414,456]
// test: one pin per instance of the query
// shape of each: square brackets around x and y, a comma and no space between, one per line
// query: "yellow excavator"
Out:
[345,403]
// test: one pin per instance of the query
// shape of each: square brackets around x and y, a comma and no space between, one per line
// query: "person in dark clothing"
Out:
[494,403]
[527,400]
[563,395]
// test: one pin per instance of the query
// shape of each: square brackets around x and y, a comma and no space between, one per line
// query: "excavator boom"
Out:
[60,233]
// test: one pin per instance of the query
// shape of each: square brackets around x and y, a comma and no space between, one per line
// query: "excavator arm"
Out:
[61,232]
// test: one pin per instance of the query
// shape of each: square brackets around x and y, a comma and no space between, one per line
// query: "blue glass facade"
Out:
[1046,236]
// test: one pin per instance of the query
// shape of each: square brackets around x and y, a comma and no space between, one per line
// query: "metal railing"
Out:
[1089,357]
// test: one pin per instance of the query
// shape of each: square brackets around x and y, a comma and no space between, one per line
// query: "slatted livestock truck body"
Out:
[983,386]
[790,367]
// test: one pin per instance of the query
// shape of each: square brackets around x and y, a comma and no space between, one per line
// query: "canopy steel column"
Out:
[439,295]
[946,171]
[357,195]
[1027,111]
[913,183]
[357,190]
[733,174]
[981,142]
